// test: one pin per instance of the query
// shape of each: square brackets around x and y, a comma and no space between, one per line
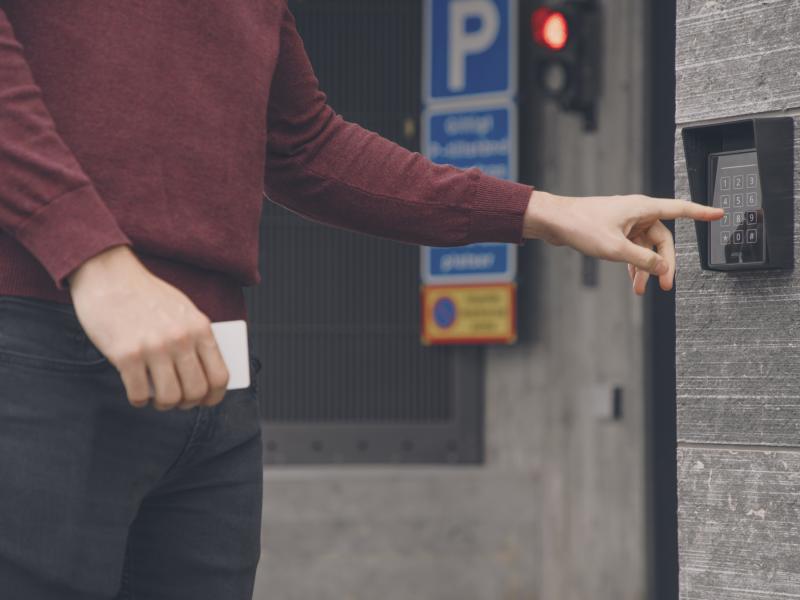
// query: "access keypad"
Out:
[739,236]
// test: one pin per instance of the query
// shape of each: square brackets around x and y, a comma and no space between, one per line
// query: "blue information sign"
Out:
[475,263]
[483,138]
[469,137]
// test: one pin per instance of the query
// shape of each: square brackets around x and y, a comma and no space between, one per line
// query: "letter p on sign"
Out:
[470,49]
[464,41]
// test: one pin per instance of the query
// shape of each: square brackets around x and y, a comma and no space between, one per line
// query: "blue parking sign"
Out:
[469,48]
[470,118]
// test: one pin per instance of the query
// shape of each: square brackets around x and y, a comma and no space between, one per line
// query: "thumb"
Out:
[644,258]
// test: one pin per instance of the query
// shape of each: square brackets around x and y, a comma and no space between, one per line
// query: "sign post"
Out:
[470,120]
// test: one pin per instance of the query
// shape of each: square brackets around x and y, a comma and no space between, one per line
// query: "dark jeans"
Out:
[100,500]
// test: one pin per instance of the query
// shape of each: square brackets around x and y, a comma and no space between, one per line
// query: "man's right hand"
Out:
[141,323]
[618,228]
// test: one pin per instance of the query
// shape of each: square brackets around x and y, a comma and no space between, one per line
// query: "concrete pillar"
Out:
[738,356]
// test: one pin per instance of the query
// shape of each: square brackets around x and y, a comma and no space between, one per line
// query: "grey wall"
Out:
[558,511]
[737,334]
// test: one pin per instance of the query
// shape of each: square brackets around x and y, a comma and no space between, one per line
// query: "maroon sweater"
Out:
[162,124]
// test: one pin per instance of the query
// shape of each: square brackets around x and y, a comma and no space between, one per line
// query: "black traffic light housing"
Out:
[567,68]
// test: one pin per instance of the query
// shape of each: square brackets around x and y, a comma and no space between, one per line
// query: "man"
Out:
[136,141]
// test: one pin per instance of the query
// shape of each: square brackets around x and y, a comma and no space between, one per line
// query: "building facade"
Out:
[737,333]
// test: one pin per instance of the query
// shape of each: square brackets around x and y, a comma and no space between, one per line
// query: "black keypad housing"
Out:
[754,157]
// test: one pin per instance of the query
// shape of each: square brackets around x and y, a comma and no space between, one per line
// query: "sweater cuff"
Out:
[68,230]
[498,210]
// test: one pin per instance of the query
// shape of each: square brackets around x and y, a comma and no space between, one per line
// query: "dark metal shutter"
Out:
[344,377]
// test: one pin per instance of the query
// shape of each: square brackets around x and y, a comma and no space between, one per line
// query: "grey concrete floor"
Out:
[397,533]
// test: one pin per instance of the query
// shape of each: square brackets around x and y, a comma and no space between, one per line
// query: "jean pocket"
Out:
[46,335]
[255,367]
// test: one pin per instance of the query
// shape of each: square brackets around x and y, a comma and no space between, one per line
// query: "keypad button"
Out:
[738,236]
[738,200]
[725,183]
[751,217]
[752,236]
[725,200]
[752,180]
[725,237]
[726,220]
[738,182]
[751,199]
[738,218]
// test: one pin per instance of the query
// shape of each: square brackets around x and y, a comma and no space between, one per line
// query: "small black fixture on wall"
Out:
[745,167]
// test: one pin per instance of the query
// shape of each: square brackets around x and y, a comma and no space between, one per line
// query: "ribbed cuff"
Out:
[498,210]
[68,230]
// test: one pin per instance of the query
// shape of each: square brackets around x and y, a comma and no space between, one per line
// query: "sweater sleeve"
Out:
[47,203]
[335,172]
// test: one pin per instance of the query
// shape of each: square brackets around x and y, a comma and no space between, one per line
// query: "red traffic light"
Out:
[549,28]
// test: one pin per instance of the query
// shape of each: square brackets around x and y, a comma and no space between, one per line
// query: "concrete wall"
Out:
[558,511]
[737,345]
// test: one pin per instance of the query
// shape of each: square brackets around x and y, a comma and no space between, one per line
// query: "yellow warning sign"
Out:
[469,314]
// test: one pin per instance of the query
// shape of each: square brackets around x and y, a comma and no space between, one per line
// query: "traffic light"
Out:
[566,45]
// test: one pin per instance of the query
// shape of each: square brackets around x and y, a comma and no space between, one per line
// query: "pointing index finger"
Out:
[668,209]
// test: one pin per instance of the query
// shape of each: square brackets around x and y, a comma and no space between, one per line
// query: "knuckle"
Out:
[171,399]
[206,339]
[167,342]
[167,401]
[616,249]
[196,394]
[215,399]
[220,380]
[153,345]
[179,338]
[202,325]
[217,389]
[138,400]
[126,357]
